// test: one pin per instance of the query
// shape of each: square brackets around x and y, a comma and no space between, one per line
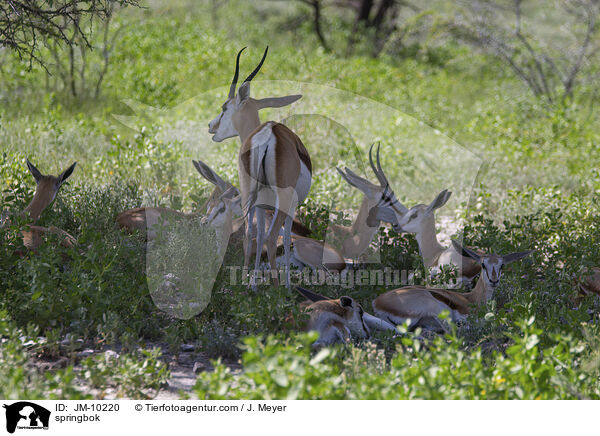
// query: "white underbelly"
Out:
[304,182]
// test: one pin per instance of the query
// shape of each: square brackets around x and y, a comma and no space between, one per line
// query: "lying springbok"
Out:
[371,322]
[420,220]
[47,186]
[379,201]
[588,284]
[145,219]
[275,169]
[335,320]
[422,305]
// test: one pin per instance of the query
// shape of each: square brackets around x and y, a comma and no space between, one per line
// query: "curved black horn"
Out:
[381,169]
[371,161]
[257,69]
[378,171]
[236,75]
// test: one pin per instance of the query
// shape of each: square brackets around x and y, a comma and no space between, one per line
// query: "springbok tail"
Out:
[257,177]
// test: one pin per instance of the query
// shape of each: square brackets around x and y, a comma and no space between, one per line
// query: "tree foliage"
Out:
[550,64]
[26,25]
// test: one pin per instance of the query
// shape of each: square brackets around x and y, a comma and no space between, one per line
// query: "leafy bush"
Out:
[537,189]
[138,375]
[439,369]
[20,378]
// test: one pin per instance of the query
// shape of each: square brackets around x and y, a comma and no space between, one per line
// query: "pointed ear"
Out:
[346,301]
[466,252]
[345,177]
[210,175]
[353,179]
[229,193]
[34,171]
[66,174]
[277,101]
[310,295]
[243,92]
[516,256]
[440,200]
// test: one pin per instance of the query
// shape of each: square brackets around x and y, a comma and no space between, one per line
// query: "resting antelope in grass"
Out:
[371,322]
[420,220]
[335,320]
[588,284]
[275,169]
[47,186]
[379,202]
[145,219]
[422,305]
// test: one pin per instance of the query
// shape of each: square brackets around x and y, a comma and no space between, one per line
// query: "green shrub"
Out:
[438,369]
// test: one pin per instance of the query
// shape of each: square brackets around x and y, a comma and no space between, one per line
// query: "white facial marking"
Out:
[222,126]
[492,268]
[356,323]
[411,221]
[216,215]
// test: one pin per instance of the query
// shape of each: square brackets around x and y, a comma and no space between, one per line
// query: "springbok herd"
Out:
[275,173]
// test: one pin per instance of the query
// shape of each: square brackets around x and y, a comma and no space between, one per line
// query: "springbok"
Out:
[372,322]
[588,284]
[335,320]
[274,167]
[420,221]
[379,202]
[422,305]
[306,251]
[145,219]
[354,239]
[222,216]
[47,187]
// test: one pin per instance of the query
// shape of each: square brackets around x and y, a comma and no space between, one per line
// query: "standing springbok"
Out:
[356,238]
[422,305]
[274,167]
[145,219]
[47,187]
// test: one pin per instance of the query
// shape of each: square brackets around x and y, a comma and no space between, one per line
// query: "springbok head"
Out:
[354,317]
[421,217]
[491,264]
[381,200]
[46,189]
[240,111]
[351,311]
[222,210]
[221,185]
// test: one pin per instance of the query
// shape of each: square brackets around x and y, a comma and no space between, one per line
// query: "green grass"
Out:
[531,181]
